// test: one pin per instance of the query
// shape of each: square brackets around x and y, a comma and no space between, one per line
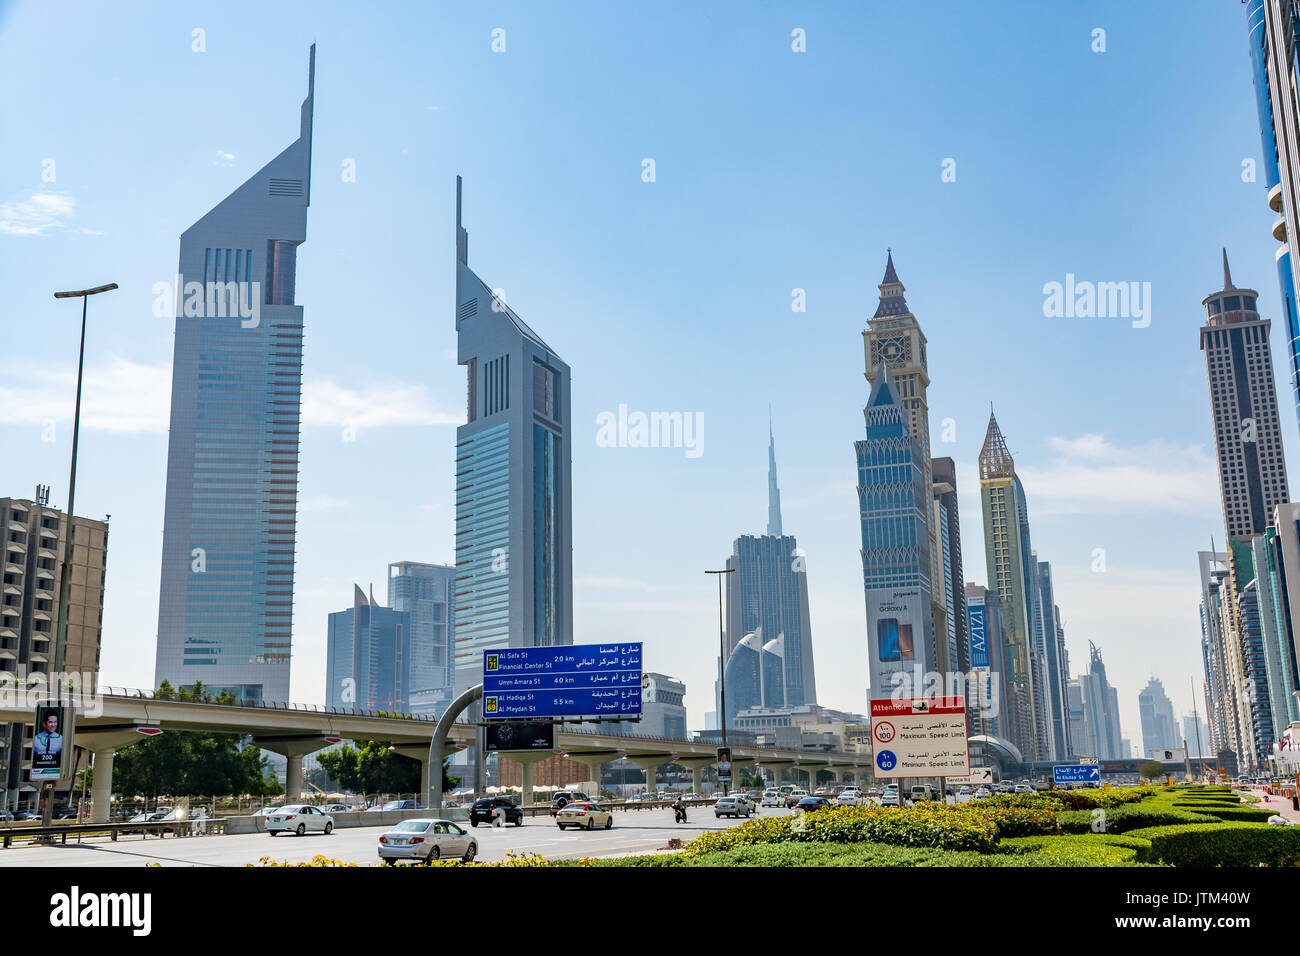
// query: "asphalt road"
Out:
[634,831]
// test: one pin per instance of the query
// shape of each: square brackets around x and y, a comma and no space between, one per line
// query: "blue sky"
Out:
[775,171]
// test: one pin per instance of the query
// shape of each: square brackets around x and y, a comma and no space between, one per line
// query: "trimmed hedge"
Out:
[926,825]
[1222,844]
[1100,849]
[863,854]
[1125,818]
[1237,814]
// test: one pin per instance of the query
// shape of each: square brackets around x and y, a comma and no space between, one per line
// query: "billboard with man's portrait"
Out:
[50,742]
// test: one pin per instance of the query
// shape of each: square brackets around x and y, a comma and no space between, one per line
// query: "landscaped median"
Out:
[1120,826]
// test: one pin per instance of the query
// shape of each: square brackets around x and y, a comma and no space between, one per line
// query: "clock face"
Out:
[893,351]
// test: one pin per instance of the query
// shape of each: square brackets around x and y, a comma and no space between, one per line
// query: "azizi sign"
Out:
[919,737]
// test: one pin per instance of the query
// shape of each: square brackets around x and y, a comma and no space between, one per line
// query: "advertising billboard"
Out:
[571,682]
[919,737]
[53,742]
[899,638]
[979,648]
[520,735]
[724,764]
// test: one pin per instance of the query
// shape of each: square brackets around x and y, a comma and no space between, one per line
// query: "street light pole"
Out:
[722,670]
[65,572]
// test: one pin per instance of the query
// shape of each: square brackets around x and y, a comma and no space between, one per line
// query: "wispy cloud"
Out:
[118,396]
[321,503]
[326,403]
[1090,474]
[127,397]
[224,159]
[36,215]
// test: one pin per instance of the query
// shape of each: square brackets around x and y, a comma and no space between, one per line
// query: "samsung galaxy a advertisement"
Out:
[899,635]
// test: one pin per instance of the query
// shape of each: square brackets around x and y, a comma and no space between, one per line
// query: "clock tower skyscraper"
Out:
[894,337]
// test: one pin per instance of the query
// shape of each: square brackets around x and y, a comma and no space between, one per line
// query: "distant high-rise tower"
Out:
[514,498]
[957,644]
[1159,728]
[1007,557]
[767,597]
[225,611]
[368,656]
[427,592]
[894,500]
[773,492]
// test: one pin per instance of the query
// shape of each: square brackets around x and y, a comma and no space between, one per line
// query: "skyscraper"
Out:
[1007,558]
[1220,672]
[514,541]
[767,596]
[225,611]
[1252,483]
[893,339]
[1272,26]
[427,593]
[1243,401]
[1101,736]
[949,518]
[894,499]
[1053,664]
[368,656]
[1159,728]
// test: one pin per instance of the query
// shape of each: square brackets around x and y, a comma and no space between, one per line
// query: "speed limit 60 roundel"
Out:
[884,731]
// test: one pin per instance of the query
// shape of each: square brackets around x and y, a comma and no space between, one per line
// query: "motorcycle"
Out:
[679,811]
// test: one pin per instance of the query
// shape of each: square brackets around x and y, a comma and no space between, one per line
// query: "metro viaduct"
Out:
[294,730]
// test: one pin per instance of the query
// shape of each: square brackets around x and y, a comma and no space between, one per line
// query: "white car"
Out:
[794,796]
[888,798]
[850,797]
[733,805]
[983,793]
[299,819]
[772,798]
[423,841]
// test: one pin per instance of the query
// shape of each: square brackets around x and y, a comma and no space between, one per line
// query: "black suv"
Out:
[489,808]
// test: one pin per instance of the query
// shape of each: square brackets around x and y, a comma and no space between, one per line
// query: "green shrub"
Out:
[1222,844]
[926,825]
[1133,817]
[1101,849]
[861,854]
[1237,814]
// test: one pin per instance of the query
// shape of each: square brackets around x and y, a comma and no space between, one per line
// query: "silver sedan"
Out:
[299,819]
[426,840]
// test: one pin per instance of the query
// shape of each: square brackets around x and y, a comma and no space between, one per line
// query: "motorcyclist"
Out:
[679,809]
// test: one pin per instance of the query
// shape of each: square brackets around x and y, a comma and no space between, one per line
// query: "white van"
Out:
[922,791]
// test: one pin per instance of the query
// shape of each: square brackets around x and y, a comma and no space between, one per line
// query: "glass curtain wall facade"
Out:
[514,542]
[426,592]
[225,612]
[894,499]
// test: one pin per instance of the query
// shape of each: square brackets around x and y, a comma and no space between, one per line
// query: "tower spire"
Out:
[773,492]
[1227,276]
[891,291]
[995,457]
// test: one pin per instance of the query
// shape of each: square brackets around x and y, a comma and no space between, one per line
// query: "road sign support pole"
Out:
[438,744]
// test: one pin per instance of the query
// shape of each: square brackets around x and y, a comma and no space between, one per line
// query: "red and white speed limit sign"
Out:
[883,731]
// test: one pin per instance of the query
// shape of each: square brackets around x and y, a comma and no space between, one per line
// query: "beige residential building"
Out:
[31,558]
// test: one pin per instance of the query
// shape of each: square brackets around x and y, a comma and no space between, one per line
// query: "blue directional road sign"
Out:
[574,682]
[1077,773]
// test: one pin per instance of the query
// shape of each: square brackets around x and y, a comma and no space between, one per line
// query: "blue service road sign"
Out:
[1077,773]
[574,682]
